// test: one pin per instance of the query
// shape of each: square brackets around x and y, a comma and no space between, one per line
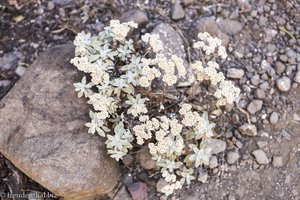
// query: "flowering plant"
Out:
[119,83]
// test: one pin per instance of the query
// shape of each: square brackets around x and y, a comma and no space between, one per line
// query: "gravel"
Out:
[284,84]
[260,157]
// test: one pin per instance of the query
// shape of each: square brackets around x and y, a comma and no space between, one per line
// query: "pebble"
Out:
[279,67]
[277,161]
[297,77]
[263,21]
[231,27]
[285,135]
[202,177]
[20,70]
[232,157]
[128,160]
[262,144]
[122,194]
[177,11]
[137,16]
[284,84]
[235,73]
[260,94]
[248,129]
[216,145]
[255,106]
[9,60]
[213,162]
[50,5]
[138,190]
[255,80]
[144,158]
[5,83]
[260,157]
[283,58]
[160,185]
[274,118]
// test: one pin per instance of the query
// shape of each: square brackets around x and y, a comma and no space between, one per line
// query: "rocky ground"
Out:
[259,139]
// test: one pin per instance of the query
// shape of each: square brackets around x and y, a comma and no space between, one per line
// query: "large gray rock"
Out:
[42,131]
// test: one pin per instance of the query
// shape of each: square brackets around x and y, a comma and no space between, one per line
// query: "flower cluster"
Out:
[115,76]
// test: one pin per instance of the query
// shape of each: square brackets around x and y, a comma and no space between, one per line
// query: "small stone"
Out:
[263,21]
[274,118]
[248,129]
[64,2]
[213,162]
[216,145]
[177,11]
[260,157]
[20,70]
[235,73]
[160,185]
[262,144]
[285,135]
[232,157]
[231,197]
[284,84]
[297,77]
[122,194]
[202,177]
[277,161]
[255,106]
[279,67]
[283,58]
[255,80]
[138,190]
[5,83]
[137,16]
[260,94]
[50,5]
[230,27]
[296,117]
[9,60]
[128,160]
[144,158]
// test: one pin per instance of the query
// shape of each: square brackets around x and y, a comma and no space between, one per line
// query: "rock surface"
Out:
[42,131]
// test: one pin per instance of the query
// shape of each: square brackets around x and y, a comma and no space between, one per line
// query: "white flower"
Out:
[154,41]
